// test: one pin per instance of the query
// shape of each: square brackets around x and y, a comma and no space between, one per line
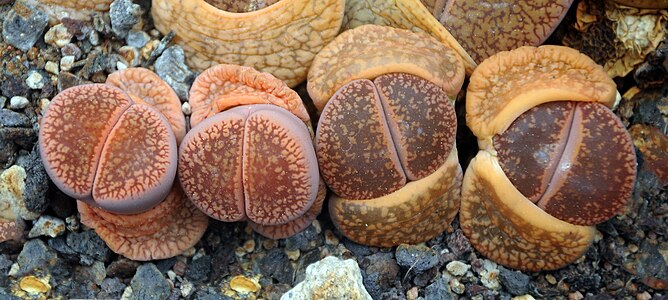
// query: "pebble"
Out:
[412,293]
[112,288]
[3,101]
[137,39]
[243,284]
[516,283]
[171,67]
[550,278]
[71,50]
[10,118]
[47,226]
[456,286]
[330,278]
[643,296]
[149,283]
[35,255]
[293,254]
[12,186]
[523,297]
[36,185]
[275,264]
[249,246]
[13,86]
[124,15]
[381,271]
[187,288]
[66,62]
[330,238]
[439,290]
[23,26]
[121,66]
[35,80]
[130,55]
[199,269]
[18,103]
[51,67]
[89,245]
[457,268]
[185,108]
[575,296]
[35,286]
[58,36]
[418,258]
[489,276]
[459,243]
[94,38]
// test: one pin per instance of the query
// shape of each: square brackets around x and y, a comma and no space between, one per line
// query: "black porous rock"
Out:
[417,258]
[35,256]
[23,26]
[199,269]
[516,283]
[277,266]
[439,289]
[148,284]
[89,245]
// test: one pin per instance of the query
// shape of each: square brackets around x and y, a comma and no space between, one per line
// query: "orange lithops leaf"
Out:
[553,161]
[511,82]
[354,55]
[145,87]
[280,38]
[97,145]
[136,236]
[225,86]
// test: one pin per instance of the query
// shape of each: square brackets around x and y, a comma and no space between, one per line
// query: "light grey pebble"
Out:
[457,268]
[3,101]
[35,80]
[137,39]
[23,26]
[18,103]
[51,67]
[66,62]
[171,67]
[124,15]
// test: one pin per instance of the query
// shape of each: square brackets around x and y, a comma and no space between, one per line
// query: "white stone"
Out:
[185,108]
[489,276]
[18,102]
[523,297]
[330,278]
[35,80]
[120,65]
[457,268]
[47,226]
[51,67]
[58,36]
[66,62]
[186,288]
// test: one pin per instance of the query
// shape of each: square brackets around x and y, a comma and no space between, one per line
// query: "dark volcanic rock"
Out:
[459,244]
[439,290]
[123,14]
[171,67]
[89,245]
[148,283]
[36,183]
[418,258]
[306,240]
[516,283]
[277,265]
[9,118]
[35,256]
[23,26]
[381,270]
[199,269]
[111,288]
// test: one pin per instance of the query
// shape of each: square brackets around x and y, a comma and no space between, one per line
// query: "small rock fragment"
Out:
[439,290]
[275,264]
[35,286]
[3,101]
[489,276]
[418,258]
[18,103]
[112,288]
[66,62]
[47,226]
[185,108]
[457,268]
[130,55]
[23,26]
[330,278]
[516,283]
[124,15]
[137,39]
[187,289]
[51,67]
[89,245]
[71,50]
[58,36]
[149,283]
[35,256]
[199,269]
[35,80]
[456,286]
[243,284]
[171,67]
[523,297]
[10,118]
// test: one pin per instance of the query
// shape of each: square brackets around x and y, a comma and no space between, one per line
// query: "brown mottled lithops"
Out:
[554,160]
[255,161]
[101,147]
[485,27]
[386,139]
[277,37]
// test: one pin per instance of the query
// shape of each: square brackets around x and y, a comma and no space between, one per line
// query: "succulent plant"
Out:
[280,38]
[553,161]
[255,161]
[99,146]
[386,138]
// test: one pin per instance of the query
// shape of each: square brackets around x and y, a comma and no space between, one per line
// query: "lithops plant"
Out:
[553,161]
[485,27]
[386,136]
[255,160]
[146,87]
[278,37]
[164,231]
[403,14]
[99,146]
